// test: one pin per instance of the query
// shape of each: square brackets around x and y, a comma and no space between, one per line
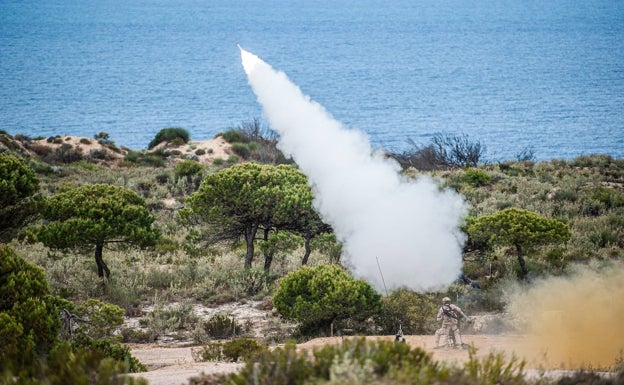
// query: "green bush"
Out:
[187,169]
[317,297]
[165,320]
[222,325]
[108,349]
[565,195]
[19,198]
[355,361]
[280,366]
[103,138]
[66,365]
[135,336]
[211,352]
[235,136]
[242,348]
[152,159]
[29,315]
[609,197]
[241,149]
[476,177]
[414,311]
[380,356]
[170,134]
[103,319]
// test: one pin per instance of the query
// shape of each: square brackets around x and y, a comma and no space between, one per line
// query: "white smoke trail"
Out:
[410,226]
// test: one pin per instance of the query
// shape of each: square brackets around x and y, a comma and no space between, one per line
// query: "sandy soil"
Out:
[175,365]
[212,148]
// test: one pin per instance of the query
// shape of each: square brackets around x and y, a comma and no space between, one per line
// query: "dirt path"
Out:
[175,365]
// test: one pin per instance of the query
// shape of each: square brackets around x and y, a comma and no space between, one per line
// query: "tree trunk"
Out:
[101,265]
[268,260]
[308,251]
[250,236]
[268,255]
[522,262]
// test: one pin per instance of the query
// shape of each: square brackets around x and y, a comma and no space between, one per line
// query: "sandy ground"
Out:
[175,365]
[212,148]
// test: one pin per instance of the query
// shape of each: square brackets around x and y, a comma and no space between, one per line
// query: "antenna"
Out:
[382,278]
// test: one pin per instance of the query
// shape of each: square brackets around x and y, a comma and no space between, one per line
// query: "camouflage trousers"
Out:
[450,332]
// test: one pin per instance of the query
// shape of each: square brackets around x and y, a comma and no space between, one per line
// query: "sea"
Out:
[545,77]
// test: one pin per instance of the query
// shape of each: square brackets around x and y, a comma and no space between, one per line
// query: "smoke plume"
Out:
[574,322]
[403,230]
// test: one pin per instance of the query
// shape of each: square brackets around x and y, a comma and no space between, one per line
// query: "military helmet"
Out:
[446,300]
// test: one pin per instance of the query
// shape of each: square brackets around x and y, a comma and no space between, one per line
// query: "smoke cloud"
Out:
[574,322]
[403,230]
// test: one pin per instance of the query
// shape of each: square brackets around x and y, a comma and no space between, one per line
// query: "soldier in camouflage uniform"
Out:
[449,315]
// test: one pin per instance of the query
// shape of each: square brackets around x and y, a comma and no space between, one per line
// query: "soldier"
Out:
[449,316]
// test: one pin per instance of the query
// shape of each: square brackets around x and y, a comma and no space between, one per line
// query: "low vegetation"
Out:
[361,361]
[214,240]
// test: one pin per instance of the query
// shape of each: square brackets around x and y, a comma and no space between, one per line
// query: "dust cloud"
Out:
[407,228]
[575,322]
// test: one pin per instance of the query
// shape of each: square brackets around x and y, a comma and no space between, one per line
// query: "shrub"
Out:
[67,365]
[476,177]
[609,197]
[135,336]
[187,169]
[355,361]
[444,152]
[99,154]
[103,138]
[210,352]
[107,349]
[235,136]
[416,313]
[85,141]
[565,195]
[66,153]
[153,159]
[29,315]
[102,319]
[242,348]
[19,198]
[163,320]
[170,134]
[162,178]
[280,366]
[317,297]
[222,325]
[200,152]
[132,156]
[241,150]
[251,281]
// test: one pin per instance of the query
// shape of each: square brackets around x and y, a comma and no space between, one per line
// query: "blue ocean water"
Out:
[548,76]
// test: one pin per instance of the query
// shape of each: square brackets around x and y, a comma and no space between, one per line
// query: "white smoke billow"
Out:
[408,228]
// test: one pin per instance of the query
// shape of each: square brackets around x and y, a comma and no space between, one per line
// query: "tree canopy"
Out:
[96,215]
[318,296]
[519,228]
[245,198]
[20,200]
[29,316]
